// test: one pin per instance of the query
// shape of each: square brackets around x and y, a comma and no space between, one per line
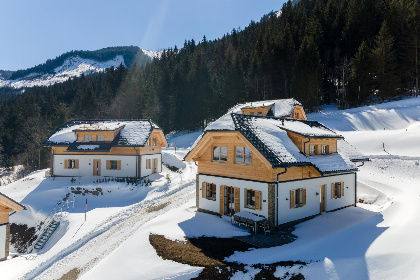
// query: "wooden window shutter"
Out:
[108,164]
[303,196]
[222,200]
[118,164]
[333,190]
[257,200]
[246,193]
[237,195]
[66,163]
[292,198]
[342,188]
[76,164]
[203,190]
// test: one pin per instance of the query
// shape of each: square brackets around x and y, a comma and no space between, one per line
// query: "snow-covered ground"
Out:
[376,240]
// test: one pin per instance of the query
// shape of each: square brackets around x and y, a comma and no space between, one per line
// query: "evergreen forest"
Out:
[346,52]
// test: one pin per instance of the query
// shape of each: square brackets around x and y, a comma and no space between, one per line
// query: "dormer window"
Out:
[148,143]
[154,142]
[88,138]
[100,138]
[312,149]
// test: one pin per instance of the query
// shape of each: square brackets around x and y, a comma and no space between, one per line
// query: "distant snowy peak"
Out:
[153,54]
[72,67]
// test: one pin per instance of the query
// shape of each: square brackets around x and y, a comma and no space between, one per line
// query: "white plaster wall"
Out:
[3,241]
[237,183]
[128,165]
[146,172]
[312,207]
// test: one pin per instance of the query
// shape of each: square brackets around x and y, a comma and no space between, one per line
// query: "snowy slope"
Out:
[72,67]
[376,240]
[393,126]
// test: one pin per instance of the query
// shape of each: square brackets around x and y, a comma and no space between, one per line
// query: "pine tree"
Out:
[385,63]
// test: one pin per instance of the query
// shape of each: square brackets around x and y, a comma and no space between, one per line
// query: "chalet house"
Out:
[117,148]
[7,205]
[282,168]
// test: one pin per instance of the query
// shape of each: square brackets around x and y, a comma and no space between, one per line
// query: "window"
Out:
[250,199]
[100,138]
[211,191]
[220,153]
[154,142]
[71,164]
[324,149]
[88,138]
[297,198]
[311,149]
[259,113]
[113,164]
[251,113]
[148,164]
[337,190]
[243,155]
[148,143]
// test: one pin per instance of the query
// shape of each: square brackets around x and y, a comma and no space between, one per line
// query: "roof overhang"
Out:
[10,203]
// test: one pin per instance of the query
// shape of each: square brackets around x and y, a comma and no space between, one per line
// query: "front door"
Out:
[322,199]
[96,167]
[154,165]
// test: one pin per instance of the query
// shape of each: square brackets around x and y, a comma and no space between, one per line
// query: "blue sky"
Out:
[33,31]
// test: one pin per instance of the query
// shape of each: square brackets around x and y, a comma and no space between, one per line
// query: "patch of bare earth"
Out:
[210,252]
[71,275]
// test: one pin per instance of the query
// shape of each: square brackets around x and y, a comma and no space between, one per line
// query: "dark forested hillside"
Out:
[346,52]
[131,54]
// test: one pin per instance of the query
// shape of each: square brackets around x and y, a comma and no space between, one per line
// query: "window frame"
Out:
[211,191]
[219,158]
[249,194]
[243,153]
[154,142]
[311,150]
[299,198]
[324,149]
[337,191]
[251,113]
[259,113]
[112,164]
[71,164]
[100,138]
[88,138]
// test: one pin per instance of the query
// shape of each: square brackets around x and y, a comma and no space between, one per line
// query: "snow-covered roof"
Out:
[269,136]
[281,107]
[132,133]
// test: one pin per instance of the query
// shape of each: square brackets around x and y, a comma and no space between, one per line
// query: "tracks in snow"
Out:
[87,252]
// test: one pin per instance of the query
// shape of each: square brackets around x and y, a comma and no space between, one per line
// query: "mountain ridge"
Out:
[73,64]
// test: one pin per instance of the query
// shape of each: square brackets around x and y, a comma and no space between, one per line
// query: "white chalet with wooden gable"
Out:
[117,148]
[282,168]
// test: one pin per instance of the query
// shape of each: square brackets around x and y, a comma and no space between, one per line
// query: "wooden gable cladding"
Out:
[160,139]
[8,205]
[264,110]
[298,113]
[108,135]
[259,170]
[304,146]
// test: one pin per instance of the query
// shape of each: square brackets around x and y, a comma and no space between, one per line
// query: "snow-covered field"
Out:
[376,240]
